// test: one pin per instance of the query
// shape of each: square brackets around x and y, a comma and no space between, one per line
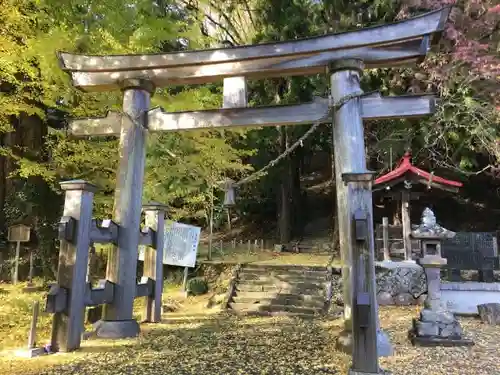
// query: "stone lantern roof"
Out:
[430,229]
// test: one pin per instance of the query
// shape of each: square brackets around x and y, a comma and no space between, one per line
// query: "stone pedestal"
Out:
[436,325]
[384,345]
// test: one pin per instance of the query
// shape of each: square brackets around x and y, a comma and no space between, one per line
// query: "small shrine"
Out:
[406,183]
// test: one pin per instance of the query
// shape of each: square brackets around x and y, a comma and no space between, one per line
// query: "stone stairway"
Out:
[271,290]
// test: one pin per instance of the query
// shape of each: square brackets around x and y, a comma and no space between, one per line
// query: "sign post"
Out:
[18,233]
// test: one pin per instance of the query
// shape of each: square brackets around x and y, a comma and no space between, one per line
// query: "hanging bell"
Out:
[229,193]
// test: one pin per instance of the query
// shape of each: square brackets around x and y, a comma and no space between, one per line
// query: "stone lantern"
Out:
[229,193]
[436,325]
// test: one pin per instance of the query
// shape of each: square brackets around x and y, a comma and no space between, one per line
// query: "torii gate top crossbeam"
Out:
[388,45]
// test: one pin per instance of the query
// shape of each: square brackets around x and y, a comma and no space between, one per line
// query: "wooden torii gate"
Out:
[343,56]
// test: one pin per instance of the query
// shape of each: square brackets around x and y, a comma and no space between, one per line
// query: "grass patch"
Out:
[15,316]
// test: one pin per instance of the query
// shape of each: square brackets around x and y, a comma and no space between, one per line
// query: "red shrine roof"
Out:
[405,166]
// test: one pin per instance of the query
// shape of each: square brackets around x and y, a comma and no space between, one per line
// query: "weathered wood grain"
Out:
[71,274]
[408,54]
[110,124]
[144,288]
[385,237]
[365,310]
[426,24]
[122,259]
[348,141]
[405,218]
[153,260]
[147,236]
[373,107]
[234,93]
[104,232]
[100,295]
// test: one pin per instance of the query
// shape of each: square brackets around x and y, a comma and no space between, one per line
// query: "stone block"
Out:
[404,299]
[117,329]
[384,346]
[489,313]
[421,299]
[442,316]
[427,328]
[384,299]
[451,330]
[400,277]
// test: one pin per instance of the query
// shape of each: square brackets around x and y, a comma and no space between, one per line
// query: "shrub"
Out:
[197,286]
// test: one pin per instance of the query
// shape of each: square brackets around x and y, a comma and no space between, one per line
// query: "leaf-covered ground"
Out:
[265,257]
[196,340]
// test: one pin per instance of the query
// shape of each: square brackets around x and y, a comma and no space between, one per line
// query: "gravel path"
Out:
[228,346]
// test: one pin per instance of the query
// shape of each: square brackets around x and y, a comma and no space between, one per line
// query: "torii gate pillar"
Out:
[349,148]
[118,321]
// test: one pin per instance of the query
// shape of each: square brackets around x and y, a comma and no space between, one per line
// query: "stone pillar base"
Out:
[117,329]
[437,327]
[384,346]
[380,372]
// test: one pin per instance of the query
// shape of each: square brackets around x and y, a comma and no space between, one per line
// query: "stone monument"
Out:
[436,325]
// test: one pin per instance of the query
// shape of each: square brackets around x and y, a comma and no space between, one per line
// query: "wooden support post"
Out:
[153,260]
[234,96]
[364,303]
[385,237]
[185,279]
[34,319]
[15,276]
[32,270]
[74,234]
[235,92]
[405,217]
[122,259]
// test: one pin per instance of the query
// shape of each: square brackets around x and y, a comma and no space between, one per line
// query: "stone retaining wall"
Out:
[398,283]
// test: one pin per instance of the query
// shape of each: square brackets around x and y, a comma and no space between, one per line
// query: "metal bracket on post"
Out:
[67,229]
[363,306]
[57,299]
[361,226]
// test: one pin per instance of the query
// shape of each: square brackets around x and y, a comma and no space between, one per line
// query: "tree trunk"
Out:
[285,191]
[297,211]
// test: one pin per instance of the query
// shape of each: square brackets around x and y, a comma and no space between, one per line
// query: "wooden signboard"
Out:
[19,233]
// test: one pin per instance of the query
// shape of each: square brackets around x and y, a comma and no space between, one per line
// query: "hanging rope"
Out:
[333,107]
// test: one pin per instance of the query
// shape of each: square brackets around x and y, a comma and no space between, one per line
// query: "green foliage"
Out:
[183,170]
[197,286]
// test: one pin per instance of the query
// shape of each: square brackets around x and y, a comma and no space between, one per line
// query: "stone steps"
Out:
[273,309]
[281,277]
[280,290]
[285,287]
[283,299]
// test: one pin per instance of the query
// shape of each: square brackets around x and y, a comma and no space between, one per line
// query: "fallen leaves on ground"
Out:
[480,359]
[228,345]
[200,340]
